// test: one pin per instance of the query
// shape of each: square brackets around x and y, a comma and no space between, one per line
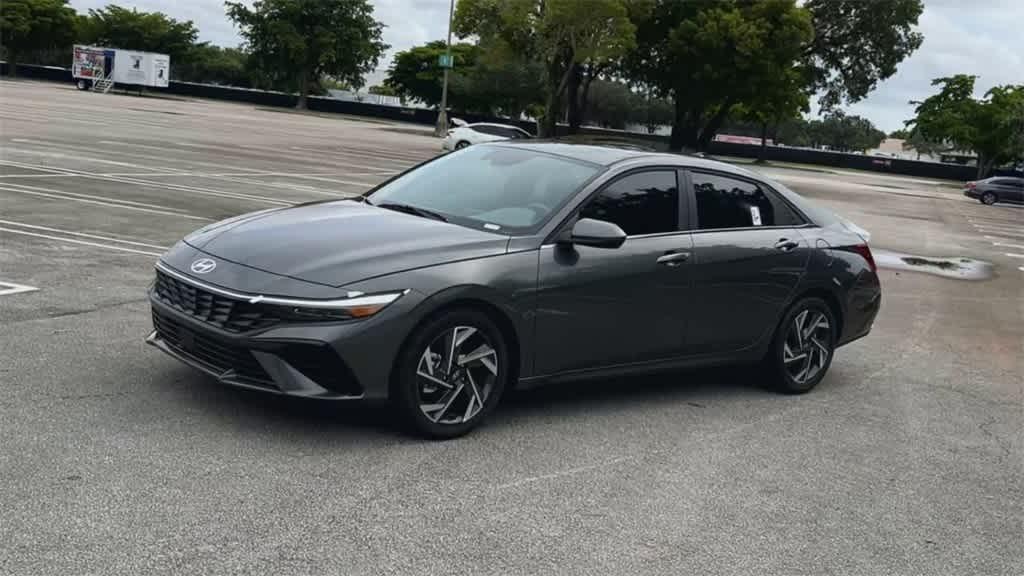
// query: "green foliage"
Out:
[117,27]
[557,34]
[901,134]
[845,133]
[294,42]
[857,43]
[709,56]
[382,90]
[499,83]
[210,64]
[918,143]
[992,127]
[416,74]
[28,26]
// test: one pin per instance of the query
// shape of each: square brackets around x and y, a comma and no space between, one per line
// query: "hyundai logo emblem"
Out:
[203,266]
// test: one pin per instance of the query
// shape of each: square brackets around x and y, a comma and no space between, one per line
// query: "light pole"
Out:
[442,115]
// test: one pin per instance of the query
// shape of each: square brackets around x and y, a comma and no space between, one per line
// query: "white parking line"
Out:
[1012,255]
[1005,245]
[87,201]
[90,196]
[8,288]
[82,234]
[72,241]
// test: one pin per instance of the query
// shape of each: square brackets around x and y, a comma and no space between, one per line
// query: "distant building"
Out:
[894,148]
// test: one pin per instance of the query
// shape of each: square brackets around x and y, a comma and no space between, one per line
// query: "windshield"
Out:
[502,189]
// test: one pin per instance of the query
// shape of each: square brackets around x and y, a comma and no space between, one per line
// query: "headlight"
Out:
[362,306]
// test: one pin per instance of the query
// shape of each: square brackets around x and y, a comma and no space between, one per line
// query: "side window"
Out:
[491,130]
[643,203]
[509,133]
[724,202]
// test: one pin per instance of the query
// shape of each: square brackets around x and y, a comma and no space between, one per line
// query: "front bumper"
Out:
[307,367]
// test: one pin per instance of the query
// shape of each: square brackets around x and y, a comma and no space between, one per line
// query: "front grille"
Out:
[223,312]
[218,355]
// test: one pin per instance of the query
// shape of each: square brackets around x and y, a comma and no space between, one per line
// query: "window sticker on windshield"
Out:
[490,226]
[755,215]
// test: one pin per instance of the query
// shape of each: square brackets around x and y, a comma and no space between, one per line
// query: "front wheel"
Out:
[803,346]
[83,84]
[450,374]
[989,198]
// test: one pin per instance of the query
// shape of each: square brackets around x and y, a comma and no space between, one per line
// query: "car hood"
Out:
[340,242]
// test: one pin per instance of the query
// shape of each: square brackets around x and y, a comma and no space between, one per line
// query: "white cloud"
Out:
[980,37]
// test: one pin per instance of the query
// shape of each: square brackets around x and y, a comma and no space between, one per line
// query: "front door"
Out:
[609,306]
[748,257]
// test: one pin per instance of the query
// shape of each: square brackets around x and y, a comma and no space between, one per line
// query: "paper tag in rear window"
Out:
[755,215]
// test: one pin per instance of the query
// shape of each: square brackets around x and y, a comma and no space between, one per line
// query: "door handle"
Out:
[673,258]
[785,244]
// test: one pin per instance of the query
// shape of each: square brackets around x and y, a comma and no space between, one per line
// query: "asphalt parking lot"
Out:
[115,459]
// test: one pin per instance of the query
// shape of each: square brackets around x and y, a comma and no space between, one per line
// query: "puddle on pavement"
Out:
[957,267]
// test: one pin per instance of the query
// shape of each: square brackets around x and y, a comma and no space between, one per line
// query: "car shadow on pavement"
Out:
[301,417]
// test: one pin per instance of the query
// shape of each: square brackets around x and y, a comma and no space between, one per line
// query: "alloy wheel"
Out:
[456,375]
[807,347]
[988,198]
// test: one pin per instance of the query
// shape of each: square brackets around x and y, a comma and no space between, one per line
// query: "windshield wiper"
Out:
[409,209]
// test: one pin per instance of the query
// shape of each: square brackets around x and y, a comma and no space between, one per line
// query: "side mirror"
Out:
[596,233]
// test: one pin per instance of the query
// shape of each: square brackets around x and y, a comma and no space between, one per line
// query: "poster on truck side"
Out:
[160,65]
[91,62]
[141,68]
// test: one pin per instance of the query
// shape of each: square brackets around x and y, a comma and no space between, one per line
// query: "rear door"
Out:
[609,306]
[748,257]
[1010,189]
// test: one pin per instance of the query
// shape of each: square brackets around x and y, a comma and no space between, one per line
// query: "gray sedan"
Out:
[514,264]
[996,189]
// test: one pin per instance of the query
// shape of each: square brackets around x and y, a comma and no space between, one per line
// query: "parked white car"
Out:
[468,134]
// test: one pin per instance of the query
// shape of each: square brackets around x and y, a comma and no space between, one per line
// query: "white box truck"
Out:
[97,68]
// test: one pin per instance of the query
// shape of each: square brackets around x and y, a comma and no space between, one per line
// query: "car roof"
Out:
[492,124]
[609,155]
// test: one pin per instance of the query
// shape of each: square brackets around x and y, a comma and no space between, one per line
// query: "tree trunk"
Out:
[707,134]
[12,64]
[303,89]
[684,129]
[573,98]
[558,79]
[763,150]
[984,166]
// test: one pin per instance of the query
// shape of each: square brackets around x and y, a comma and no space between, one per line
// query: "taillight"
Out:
[864,251]
[971,185]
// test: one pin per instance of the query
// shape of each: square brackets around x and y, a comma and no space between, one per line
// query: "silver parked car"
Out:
[996,189]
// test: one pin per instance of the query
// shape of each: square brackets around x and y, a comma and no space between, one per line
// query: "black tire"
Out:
[408,388]
[989,198]
[781,366]
[461,144]
[83,84]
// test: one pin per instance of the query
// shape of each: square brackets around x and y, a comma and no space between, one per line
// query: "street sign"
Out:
[446,61]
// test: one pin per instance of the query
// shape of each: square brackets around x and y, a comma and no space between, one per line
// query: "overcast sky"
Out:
[981,37]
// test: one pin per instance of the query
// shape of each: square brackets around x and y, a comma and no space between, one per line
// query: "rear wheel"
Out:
[83,84]
[451,374]
[462,144]
[803,346]
[989,198]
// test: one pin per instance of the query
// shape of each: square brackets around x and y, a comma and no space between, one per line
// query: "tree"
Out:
[921,145]
[779,97]
[993,127]
[28,25]
[845,133]
[295,42]
[900,134]
[558,34]
[857,44]
[210,64]
[416,73]
[708,56]
[382,90]
[500,82]
[130,29]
